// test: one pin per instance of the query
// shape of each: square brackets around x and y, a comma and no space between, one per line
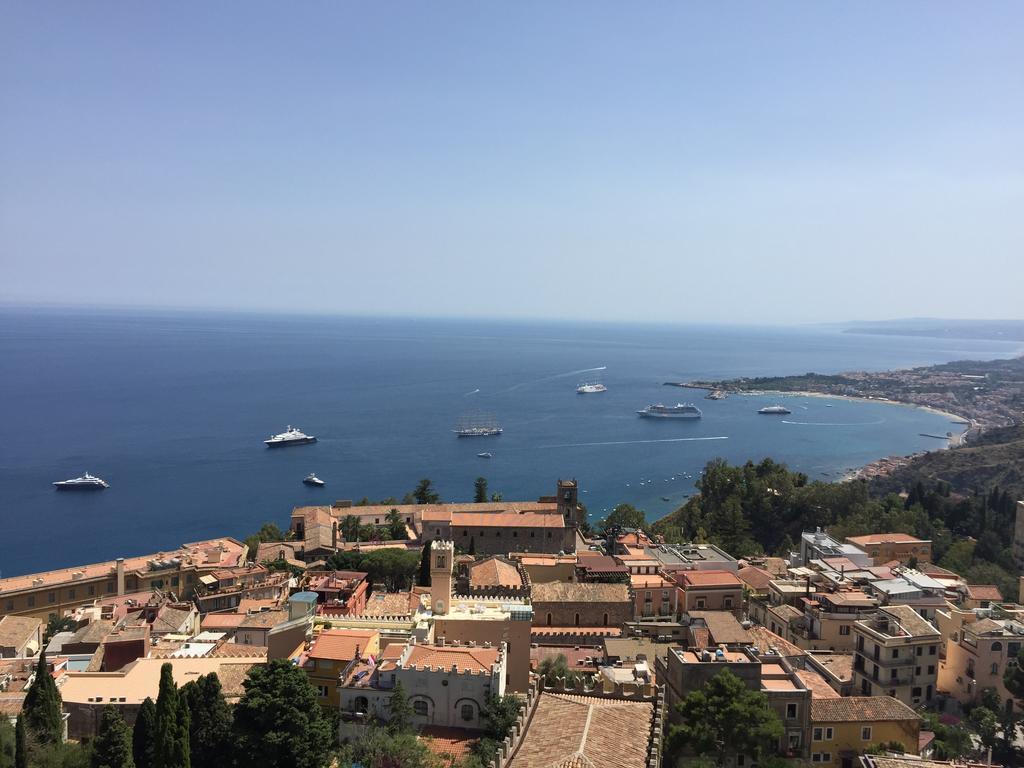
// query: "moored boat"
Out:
[312,479]
[291,436]
[86,482]
[677,411]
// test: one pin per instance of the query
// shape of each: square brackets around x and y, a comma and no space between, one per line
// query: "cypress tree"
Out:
[424,578]
[211,739]
[170,748]
[144,735]
[113,745]
[399,710]
[480,490]
[20,744]
[42,706]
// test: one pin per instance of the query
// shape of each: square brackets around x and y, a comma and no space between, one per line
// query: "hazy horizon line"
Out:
[8,304]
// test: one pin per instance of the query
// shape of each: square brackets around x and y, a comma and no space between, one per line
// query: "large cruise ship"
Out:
[86,482]
[291,436]
[477,426]
[677,411]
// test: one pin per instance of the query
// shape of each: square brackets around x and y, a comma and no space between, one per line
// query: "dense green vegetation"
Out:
[389,569]
[724,718]
[763,508]
[993,458]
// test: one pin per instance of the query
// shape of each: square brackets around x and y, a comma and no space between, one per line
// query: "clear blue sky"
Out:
[783,162]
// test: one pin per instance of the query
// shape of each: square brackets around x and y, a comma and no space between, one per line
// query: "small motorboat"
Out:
[665,498]
[312,479]
[485,455]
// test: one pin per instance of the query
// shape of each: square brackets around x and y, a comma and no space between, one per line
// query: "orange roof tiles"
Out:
[754,577]
[448,656]
[853,709]
[984,592]
[885,538]
[494,572]
[710,579]
[341,644]
[575,731]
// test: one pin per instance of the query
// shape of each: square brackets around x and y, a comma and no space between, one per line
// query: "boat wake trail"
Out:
[471,393]
[635,442]
[551,378]
[833,424]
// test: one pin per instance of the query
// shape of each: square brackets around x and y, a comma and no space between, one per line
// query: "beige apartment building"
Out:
[896,653]
[53,593]
[827,623]
[886,547]
[976,658]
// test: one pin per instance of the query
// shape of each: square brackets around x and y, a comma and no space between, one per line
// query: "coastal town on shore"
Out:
[976,396]
[600,642]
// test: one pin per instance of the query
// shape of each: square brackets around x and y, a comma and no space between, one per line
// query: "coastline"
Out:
[886,464]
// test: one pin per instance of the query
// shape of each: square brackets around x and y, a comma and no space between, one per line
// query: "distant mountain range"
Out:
[995,330]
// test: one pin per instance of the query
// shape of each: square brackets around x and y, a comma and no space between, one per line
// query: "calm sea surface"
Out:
[171,409]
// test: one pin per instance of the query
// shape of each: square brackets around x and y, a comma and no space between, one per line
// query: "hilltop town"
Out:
[511,634]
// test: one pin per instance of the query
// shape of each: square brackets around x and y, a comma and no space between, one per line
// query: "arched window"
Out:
[549,619]
[420,708]
[466,712]
[997,646]
[360,704]
[577,619]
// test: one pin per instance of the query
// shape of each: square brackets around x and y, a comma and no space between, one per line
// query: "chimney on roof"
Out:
[119,566]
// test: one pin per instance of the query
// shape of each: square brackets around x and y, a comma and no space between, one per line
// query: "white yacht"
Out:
[774,410]
[86,482]
[312,479]
[291,436]
[587,389]
[485,455]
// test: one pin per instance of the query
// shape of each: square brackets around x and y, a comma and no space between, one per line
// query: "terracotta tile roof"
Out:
[508,520]
[11,703]
[341,644]
[222,620]
[816,684]
[884,538]
[755,578]
[852,709]
[785,612]
[709,579]
[93,632]
[264,619]
[448,656]
[236,651]
[390,604]
[839,664]
[762,638]
[451,745]
[584,732]
[562,592]
[723,626]
[984,592]
[494,572]
[16,630]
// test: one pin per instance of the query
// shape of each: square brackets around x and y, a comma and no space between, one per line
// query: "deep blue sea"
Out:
[172,408]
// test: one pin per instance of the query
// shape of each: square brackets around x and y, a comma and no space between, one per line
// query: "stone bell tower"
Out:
[568,504]
[442,553]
